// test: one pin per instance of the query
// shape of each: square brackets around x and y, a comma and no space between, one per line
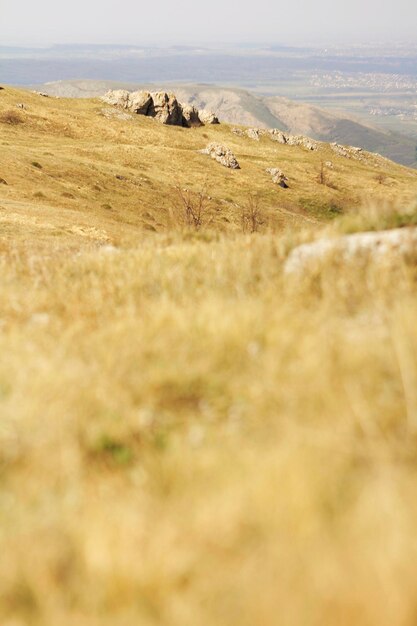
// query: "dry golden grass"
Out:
[186,437]
[68,166]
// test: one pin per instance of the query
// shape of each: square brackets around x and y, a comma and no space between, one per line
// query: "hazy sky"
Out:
[191,21]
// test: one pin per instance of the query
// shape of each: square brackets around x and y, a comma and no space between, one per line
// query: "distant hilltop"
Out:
[160,105]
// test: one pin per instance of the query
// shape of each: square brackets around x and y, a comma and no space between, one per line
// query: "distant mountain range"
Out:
[239,106]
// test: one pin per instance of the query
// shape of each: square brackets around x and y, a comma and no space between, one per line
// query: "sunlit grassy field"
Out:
[76,171]
[190,436]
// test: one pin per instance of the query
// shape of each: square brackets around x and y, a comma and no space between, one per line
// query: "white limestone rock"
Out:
[222,155]
[379,245]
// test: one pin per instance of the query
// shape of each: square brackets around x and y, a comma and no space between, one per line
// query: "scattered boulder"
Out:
[161,106]
[117,97]
[304,142]
[191,116]
[339,149]
[254,133]
[278,177]
[41,93]
[278,135]
[222,155]
[2,181]
[396,243]
[349,152]
[207,117]
[239,132]
[20,105]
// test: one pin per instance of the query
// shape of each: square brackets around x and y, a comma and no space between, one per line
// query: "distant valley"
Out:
[358,95]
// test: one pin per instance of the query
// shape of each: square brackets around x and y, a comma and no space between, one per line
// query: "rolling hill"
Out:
[239,106]
[65,162]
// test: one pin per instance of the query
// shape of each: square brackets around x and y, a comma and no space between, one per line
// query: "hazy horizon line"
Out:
[163,44]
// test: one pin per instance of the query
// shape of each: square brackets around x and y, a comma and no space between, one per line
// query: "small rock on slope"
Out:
[222,155]
[278,177]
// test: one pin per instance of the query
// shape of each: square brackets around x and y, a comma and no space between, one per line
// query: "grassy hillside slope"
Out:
[188,436]
[239,106]
[78,173]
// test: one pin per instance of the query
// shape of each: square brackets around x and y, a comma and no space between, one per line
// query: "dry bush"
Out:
[192,208]
[323,178]
[381,178]
[13,118]
[252,215]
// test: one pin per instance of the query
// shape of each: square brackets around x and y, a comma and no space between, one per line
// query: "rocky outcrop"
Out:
[222,155]
[139,102]
[397,243]
[191,116]
[254,133]
[161,106]
[278,177]
[166,109]
[349,152]
[300,140]
[277,135]
[117,97]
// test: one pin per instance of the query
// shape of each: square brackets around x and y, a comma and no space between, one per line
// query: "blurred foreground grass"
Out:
[187,438]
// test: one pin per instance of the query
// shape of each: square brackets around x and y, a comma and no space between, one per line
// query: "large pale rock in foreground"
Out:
[222,155]
[397,243]
[161,106]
